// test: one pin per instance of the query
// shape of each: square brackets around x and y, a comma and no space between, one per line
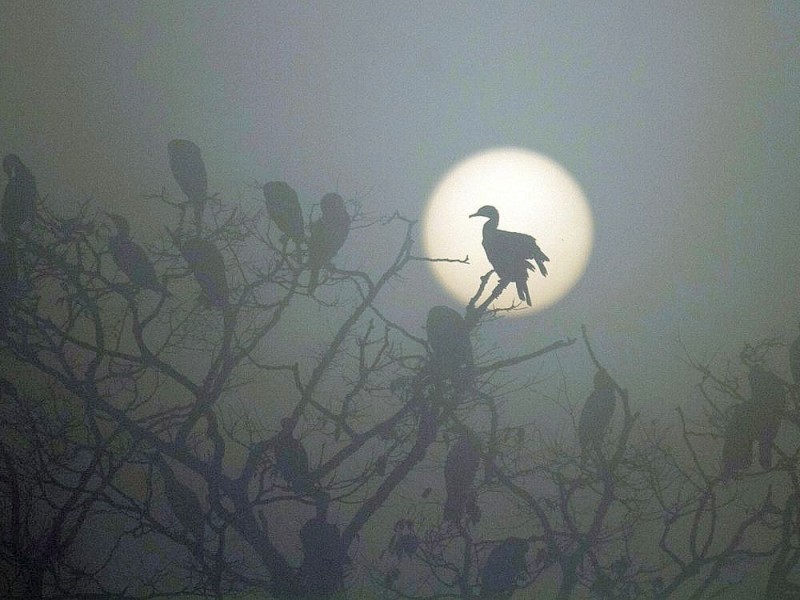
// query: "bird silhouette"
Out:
[596,414]
[184,504]
[283,208]
[206,264]
[327,235]
[291,459]
[460,469]
[508,252]
[19,198]
[451,349]
[324,556]
[131,259]
[189,171]
[769,395]
[740,433]
[503,568]
[755,420]
[794,360]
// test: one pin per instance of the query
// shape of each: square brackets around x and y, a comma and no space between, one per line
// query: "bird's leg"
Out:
[499,288]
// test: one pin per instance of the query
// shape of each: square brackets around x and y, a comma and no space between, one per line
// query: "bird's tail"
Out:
[765,440]
[313,280]
[523,293]
[199,204]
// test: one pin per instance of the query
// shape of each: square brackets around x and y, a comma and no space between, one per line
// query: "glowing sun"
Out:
[534,195]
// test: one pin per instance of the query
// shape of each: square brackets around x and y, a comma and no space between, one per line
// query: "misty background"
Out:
[679,120]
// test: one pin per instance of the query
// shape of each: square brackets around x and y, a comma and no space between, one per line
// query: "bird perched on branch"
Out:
[740,433]
[755,420]
[596,414]
[19,198]
[291,459]
[451,349]
[460,469]
[327,235]
[131,259]
[206,264]
[283,208]
[503,568]
[189,171]
[508,252]
[769,395]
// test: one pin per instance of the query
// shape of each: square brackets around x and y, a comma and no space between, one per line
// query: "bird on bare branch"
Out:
[508,252]
[19,198]
[131,258]
[596,414]
[327,236]
[208,267]
[283,207]
[189,171]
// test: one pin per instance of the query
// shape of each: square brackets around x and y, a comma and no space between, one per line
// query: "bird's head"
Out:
[519,545]
[331,202]
[11,162]
[182,147]
[488,211]
[279,193]
[602,380]
[121,223]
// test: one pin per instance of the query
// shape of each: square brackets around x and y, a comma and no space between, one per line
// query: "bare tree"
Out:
[221,448]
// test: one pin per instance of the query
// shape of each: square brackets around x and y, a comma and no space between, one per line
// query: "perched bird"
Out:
[756,420]
[19,199]
[291,459]
[283,208]
[184,505]
[794,360]
[740,433]
[451,349]
[508,252]
[324,556]
[769,396]
[327,236]
[596,414]
[131,259]
[460,469]
[206,263]
[189,171]
[503,568]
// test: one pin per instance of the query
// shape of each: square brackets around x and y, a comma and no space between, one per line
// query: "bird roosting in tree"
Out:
[508,252]
[189,171]
[328,235]
[19,198]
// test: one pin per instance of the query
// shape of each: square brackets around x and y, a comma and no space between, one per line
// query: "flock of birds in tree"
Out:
[204,260]
[450,359]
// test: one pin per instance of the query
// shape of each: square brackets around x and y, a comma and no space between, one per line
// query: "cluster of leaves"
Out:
[224,451]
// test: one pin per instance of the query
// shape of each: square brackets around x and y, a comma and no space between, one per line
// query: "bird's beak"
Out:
[475,215]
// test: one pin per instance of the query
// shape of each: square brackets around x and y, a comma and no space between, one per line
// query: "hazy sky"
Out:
[679,119]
